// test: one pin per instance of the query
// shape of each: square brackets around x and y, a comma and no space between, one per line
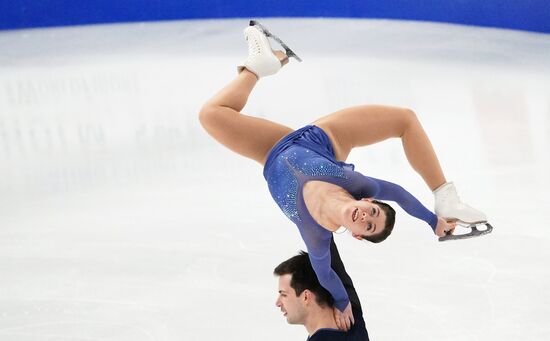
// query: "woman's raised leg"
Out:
[365,125]
[249,136]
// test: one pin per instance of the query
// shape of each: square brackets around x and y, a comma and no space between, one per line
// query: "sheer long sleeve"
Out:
[318,242]
[338,266]
[369,187]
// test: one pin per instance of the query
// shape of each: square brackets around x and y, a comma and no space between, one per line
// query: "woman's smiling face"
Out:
[364,218]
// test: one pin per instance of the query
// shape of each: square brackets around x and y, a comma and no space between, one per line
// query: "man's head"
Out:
[299,289]
[369,219]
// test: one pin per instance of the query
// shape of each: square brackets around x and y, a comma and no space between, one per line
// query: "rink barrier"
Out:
[529,15]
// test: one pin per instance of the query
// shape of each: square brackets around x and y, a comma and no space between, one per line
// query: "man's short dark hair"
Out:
[304,277]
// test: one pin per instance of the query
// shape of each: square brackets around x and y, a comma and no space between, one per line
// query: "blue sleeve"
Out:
[385,190]
[338,267]
[318,242]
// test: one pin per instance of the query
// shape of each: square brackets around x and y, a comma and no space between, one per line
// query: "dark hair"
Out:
[388,227]
[304,277]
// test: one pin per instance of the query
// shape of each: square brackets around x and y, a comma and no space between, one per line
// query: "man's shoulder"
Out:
[328,334]
[357,333]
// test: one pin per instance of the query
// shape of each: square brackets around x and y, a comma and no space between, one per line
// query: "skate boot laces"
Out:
[254,47]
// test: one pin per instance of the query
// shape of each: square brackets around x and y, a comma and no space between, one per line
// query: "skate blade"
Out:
[472,234]
[268,34]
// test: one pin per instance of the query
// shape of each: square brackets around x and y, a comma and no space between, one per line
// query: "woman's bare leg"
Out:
[249,136]
[365,125]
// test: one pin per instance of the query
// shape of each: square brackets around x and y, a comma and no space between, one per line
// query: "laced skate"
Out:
[268,34]
[262,60]
[449,206]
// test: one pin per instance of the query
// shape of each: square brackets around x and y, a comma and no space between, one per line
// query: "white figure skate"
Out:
[449,206]
[261,59]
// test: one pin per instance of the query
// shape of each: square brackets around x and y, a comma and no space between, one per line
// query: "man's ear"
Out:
[307,296]
[357,236]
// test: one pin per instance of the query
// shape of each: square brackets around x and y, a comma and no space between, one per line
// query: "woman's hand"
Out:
[444,227]
[344,320]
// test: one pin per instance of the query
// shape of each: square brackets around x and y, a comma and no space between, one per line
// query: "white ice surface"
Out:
[120,219]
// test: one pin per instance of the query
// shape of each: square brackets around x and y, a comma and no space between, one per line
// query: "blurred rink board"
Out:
[88,122]
[115,103]
[532,15]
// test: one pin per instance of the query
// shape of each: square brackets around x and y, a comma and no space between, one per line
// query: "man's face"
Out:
[292,306]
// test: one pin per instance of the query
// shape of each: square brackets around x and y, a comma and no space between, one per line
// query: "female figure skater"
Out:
[307,175]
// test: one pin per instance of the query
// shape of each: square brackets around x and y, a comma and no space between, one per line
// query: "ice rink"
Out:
[121,219]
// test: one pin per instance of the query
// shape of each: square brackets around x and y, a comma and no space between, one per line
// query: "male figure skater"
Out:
[304,301]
